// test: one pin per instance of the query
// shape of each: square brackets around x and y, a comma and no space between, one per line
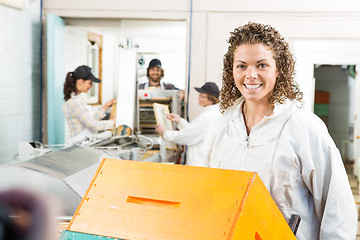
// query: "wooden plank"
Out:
[156,99]
[98,40]
[161,111]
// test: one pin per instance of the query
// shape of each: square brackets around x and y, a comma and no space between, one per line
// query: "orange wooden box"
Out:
[139,200]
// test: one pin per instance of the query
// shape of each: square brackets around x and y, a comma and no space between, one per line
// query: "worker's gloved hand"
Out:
[108,104]
[160,129]
[174,117]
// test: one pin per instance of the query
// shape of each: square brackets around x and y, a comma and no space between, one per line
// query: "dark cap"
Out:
[155,63]
[209,88]
[85,73]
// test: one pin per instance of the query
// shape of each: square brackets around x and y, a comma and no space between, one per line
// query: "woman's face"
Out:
[255,72]
[203,100]
[83,85]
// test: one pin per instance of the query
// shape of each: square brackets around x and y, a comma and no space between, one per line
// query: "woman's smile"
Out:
[252,86]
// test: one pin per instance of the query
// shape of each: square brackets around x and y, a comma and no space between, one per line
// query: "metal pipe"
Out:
[189,64]
[41,70]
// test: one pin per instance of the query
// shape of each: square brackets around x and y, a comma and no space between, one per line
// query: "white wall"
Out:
[75,48]
[20,77]
[109,86]
[161,8]
[140,9]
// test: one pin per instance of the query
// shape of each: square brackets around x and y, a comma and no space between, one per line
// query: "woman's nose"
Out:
[251,73]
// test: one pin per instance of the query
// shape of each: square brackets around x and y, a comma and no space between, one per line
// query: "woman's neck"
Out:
[253,113]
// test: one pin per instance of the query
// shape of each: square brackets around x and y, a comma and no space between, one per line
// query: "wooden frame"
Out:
[96,39]
[160,112]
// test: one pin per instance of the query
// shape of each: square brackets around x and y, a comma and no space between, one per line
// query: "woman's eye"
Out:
[242,66]
[262,65]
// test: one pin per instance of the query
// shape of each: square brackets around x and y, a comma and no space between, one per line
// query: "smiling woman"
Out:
[265,130]
[275,45]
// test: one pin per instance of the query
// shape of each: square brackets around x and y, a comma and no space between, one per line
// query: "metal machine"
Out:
[147,123]
[61,174]
[65,173]
[146,113]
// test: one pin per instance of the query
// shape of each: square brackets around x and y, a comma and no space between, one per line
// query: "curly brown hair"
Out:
[255,33]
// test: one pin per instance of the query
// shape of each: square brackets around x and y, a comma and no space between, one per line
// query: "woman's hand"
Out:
[160,129]
[108,104]
[174,117]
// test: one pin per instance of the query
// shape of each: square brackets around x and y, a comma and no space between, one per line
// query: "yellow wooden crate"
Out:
[139,200]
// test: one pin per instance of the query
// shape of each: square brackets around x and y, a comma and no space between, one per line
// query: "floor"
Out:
[354,183]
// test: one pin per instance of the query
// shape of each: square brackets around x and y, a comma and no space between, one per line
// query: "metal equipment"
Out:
[146,113]
[64,174]
[147,123]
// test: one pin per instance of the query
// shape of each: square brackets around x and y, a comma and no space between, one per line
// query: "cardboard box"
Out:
[139,200]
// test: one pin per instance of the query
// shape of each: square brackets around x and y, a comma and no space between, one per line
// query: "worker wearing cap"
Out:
[155,73]
[193,134]
[82,122]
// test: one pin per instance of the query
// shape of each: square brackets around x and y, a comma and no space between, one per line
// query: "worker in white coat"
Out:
[265,130]
[192,134]
[79,116]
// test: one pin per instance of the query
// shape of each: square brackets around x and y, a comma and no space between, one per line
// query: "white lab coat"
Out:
[298,162]
[193,134]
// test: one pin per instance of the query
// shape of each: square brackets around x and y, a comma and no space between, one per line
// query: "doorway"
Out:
[334,103]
